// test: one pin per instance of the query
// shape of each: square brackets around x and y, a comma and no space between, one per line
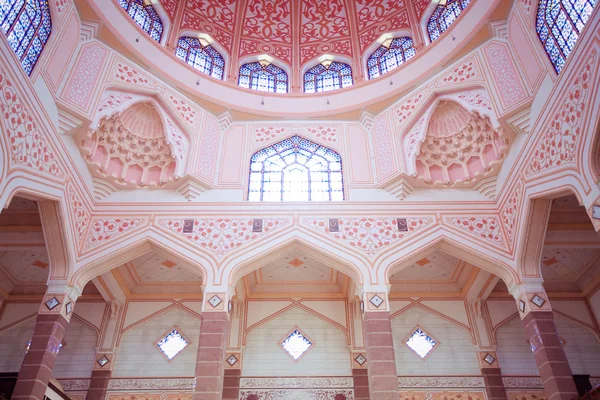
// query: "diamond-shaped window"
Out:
[421,343]
[173,343]
[296,343]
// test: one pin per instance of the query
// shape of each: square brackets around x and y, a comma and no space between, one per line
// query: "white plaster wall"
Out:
[76,358]
[454,354]
[582,347]
[514,352]
[138,357]
[13,343]
[329,357]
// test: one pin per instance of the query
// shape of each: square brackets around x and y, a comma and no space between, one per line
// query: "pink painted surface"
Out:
[62,55]
[233,156]
[80,87]
[384,154]
[359,160]
[505,76]
[524,51]
[209,146]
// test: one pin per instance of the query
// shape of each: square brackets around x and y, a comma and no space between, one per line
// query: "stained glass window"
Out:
[444,16]
[27,26]
[421,343]
[145,16]
[172,344]
[390,55]
[559,24]
[201,56]
[296,344]
[263,77]
[296,169]
[327,76]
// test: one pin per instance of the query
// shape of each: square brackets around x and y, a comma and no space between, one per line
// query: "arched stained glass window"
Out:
[296,169]
[201,56]
[444,16]
[559,23]
[390,55]
[264,77]
[327,76]
[145,16]
[27,26]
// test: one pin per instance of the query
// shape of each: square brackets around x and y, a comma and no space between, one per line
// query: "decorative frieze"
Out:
[440,382]
[297,394]
[522,382]
[296,383]
[72,385]
[151,384]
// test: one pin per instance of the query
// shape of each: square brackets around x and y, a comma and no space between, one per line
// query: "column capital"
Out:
[487,359]
[217,301]
[104,361]
[375,301]
[530,296]
[59,300]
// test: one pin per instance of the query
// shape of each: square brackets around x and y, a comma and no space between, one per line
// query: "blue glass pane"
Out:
[204,58]
[145,16]
[444,16]
[559,24]
[269,78]
[384,59]
[27,26]
[324,79]
[296,169]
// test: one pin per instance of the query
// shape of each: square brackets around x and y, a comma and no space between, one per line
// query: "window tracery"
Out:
[559,24]
[27,26]
[443,16]
[390,55]
[145,16]
[296,169]
[263,77]
[327,76]
[201,56]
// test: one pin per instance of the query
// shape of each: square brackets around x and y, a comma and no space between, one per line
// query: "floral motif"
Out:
[441,382]
[509,212]
[370,235]
[27,144]
[75,384]
[407,107]
[476,99]
[461,73]
[559,141]
[283,394]
[324,29]
[442,395]
[384,155]
[486,227]
[266,134]
[78,212]
[61,6]
[105,229]
[176,138]
[221,235]
[296,383]
[150,396]
[412,139]
[184,109]
[128,74]
[82,81]
[208,148]
[527,395]
[145,384]
[378,16]
[113,100]
[505,75]
[170,7]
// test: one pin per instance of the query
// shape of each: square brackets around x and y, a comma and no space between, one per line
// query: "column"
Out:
[53,318]
[538,320]
[492,376]
[361,384]
[383,379]
[212,344]
[231,384]
[100,376]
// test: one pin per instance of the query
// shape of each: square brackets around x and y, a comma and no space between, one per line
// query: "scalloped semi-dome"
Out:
[448,118]
[143,120]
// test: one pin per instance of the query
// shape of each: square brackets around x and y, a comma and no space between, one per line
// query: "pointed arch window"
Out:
[390,55]
[296,169]
[201,55]
[27,26]
[327,76]
[443,16]
[264,77]
[144,14]
[559,24]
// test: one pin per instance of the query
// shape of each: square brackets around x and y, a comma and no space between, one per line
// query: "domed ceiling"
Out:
[295,31]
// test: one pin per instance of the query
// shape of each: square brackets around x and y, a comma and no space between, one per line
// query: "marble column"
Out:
[492,375]
[231,384]
[100,376]
[383,379]
[52,321]
[361,384]
[212,346]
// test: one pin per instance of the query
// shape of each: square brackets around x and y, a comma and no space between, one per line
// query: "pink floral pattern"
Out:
[184,109]
[266,134]
[208,148]
[384,155]
[79,214]
[369,235]
[113,100]
[486,227]
[222,235]
[82,81]
[127,74]
[505,76]
[510,211]
[476,99]
[464,72]
[561,134]
[28,146]
[106,229]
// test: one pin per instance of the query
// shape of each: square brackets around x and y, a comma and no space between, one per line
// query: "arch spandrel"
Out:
[136,245]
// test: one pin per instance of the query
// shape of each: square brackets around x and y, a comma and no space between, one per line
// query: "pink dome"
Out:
[448,118]
[143,120]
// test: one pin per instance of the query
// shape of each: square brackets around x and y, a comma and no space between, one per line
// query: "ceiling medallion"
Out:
[296,262]
[215,301]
